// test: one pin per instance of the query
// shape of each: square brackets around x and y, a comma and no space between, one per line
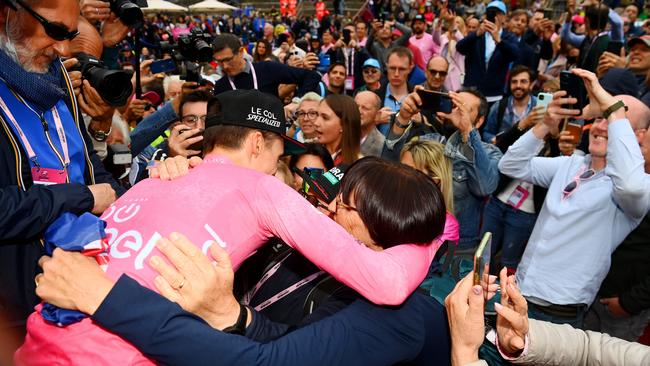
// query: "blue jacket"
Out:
[476,176]
[151,127]
[490,79]
[26,210]
[361,334]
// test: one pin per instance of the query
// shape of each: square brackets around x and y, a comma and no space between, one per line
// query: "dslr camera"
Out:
[196,46]
[114,86]
[129,11]
[191,50]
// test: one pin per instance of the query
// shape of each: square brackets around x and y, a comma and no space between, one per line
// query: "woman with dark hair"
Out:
[315,159]
[339,128]
[262,51]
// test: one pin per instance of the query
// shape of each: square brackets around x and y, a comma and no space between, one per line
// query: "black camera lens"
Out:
[129,12]
[114,86]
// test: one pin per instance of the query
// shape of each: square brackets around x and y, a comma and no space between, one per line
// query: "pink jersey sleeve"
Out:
[385,278]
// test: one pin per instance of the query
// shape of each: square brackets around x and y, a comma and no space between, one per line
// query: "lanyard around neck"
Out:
[59,130]
[232,83]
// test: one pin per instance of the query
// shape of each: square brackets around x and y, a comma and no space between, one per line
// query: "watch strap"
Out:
[613,108]
[240,325]
[399,124]
[99,136]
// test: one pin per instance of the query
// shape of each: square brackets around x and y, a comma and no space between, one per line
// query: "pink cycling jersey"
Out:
[238,209]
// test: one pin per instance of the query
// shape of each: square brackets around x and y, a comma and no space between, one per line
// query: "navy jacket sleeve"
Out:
[305,79]
[171,336]
[464,46]
[26,214]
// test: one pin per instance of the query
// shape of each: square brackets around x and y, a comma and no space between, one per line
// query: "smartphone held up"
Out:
[482,263]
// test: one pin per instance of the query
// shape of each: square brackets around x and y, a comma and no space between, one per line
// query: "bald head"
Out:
[369,104]
[638,114]
[88,41]
[436,72]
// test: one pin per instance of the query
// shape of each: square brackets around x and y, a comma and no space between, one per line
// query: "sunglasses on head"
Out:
[55,31]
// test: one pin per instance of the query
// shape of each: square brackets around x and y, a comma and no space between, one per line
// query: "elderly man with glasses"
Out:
[593,202]
[48,164]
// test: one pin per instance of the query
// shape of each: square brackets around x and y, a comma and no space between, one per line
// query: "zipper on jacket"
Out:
[46,128]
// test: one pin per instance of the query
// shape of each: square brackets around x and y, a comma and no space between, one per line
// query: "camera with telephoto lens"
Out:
[196,46]
[129,11]
[114,86]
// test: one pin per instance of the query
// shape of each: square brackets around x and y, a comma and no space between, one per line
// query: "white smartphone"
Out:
[543,100]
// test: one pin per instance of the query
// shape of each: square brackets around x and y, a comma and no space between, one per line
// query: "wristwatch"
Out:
[394,117]
[99,136]
[240,325]
[613,108]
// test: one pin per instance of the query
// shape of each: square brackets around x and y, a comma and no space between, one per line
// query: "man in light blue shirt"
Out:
[593,202]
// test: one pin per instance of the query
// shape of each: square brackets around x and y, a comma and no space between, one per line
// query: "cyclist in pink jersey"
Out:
[228,200]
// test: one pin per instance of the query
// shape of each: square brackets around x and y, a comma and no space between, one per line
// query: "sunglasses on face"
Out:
[55,31]
[437,73]
[370,71]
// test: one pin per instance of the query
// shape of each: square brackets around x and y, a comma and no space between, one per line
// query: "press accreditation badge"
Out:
[518,197]
[47,176]
[349,83]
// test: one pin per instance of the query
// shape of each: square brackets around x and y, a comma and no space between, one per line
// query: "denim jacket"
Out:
[476,176]
[151,127]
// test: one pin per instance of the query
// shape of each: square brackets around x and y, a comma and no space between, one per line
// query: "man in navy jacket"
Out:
[488,54]
[360,334]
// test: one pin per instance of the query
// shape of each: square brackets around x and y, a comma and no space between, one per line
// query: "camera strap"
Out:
[232,83]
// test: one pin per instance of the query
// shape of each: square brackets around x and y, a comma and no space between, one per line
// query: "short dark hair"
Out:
[401,52]
[416,215]
[483,106]
[228,136]
[316,150]
[518,12]
[520,69]
[597,16]
[335,64]
[227,40]
[193,97]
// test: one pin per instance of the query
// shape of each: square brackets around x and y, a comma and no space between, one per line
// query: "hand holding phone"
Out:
[575,88]
[185,141]
[433,101]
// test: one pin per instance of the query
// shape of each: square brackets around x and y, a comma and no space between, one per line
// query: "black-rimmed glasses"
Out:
[310,114]
[55,31]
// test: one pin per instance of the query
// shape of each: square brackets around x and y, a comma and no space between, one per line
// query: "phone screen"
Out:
[433,101]
[161,66]
[615,47]
[482,263]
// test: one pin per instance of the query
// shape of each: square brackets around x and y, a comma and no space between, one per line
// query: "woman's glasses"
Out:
[311,115]
[55,31]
